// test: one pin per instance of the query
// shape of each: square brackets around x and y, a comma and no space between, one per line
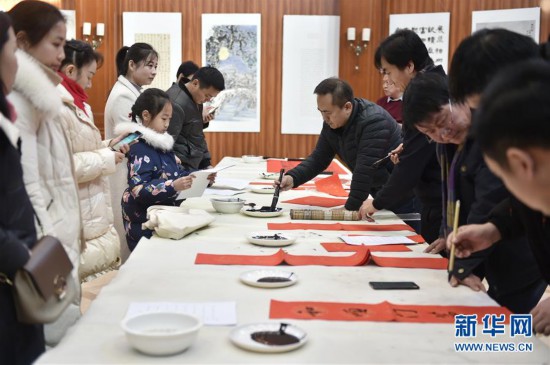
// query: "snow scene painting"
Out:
[231,43]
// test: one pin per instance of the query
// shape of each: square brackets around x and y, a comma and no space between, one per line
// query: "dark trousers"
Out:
[20,343]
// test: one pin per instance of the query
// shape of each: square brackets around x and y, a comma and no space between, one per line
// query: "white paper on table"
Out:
[222,192]
[376,240]
[210,313]
[224,182]
[200,182]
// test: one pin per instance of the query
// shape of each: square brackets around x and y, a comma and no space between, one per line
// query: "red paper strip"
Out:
[331,185]
[438,263]
[274,165]
[344,247]
[359,258]
[317,201]
[213,259]
[340,227]
[381,312]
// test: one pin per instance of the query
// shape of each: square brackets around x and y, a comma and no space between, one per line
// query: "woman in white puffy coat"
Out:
[45,154]
[93,161]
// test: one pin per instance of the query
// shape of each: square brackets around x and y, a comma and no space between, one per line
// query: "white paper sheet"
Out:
[210,313]
[224,182]
[200,182]
[376,240]
[310,54]
[223,192]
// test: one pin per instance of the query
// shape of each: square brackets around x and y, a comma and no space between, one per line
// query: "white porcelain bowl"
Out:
[161,333]
[227,205]
[251,158]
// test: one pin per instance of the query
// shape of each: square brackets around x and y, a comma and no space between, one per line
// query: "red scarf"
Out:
[76,91]
[13,115]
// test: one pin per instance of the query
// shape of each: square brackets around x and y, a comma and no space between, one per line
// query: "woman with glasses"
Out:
[509,267]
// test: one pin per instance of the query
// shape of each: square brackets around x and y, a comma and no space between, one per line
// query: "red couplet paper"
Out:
[317,201]
[339,227]
[380,312]
[437,263]
[360,257]
[344,247]
[331,185]
[274,165]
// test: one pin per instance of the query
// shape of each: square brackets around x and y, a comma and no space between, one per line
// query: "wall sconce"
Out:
[95,41]
[356,47]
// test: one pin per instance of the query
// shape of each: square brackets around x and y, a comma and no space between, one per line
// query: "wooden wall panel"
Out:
[354,13]
[269,141]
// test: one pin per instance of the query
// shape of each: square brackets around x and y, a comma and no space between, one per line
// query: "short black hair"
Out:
[425,95]
[479,57]
[400,48]
[187,68]
[153,100]
[340,90]
[515,110]
[79,54]
[138,53]
[209,76]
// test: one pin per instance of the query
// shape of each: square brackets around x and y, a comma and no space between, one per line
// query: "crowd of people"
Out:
[480,135]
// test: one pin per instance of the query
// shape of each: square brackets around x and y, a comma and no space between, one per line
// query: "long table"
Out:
[164,270]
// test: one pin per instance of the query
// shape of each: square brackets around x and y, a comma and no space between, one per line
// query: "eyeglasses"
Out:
[441,126]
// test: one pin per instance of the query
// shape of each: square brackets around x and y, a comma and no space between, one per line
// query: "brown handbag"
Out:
[44,287]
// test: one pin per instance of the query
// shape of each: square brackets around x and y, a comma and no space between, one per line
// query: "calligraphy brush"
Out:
[376,164]
[455,227]
[276,194]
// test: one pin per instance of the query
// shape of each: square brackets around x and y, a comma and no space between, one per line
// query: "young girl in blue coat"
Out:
[154,176]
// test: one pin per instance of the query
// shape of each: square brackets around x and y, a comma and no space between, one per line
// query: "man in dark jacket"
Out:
[427,107]
[358,131]
[187,124]
[400,57]
[513,129]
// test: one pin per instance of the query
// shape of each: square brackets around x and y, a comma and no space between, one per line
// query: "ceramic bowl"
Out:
[161,334]
[251,158]
[227,205]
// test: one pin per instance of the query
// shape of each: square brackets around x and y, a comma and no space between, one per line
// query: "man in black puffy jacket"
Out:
[359,132]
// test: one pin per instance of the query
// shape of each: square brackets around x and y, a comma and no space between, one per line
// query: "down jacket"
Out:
[48,170]
[152,169]
[93,161]
[369,135]
[187,128]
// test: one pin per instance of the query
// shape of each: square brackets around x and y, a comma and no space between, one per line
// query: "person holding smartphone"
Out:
[188,122]
[93,161]
[154,176]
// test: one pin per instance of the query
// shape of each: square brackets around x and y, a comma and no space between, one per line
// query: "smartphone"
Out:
[213,110]
[127,140]
[393,285]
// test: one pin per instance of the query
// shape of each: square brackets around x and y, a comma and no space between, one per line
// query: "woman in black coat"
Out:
[19,343]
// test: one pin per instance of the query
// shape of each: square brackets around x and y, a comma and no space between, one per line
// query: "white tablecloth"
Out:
[164,270]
